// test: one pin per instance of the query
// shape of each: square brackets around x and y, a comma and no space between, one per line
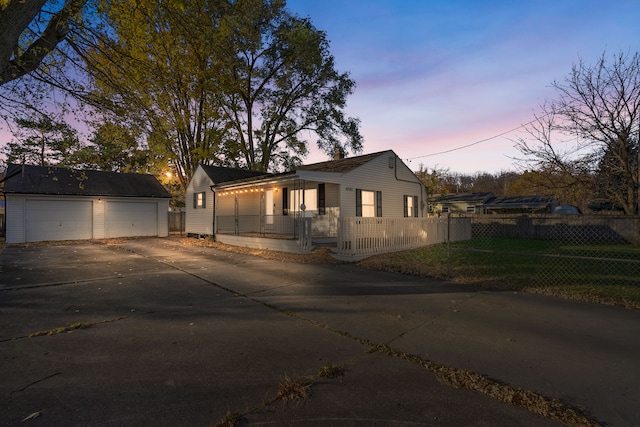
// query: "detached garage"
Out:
[48,203]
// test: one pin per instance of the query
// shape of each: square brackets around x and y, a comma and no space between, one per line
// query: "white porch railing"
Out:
[362,237]
[257,228]
[259,224]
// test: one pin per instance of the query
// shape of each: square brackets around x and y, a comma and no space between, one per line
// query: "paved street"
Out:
[184,335]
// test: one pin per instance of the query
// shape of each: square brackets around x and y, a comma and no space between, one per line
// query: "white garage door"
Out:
[130,219]
[58,220]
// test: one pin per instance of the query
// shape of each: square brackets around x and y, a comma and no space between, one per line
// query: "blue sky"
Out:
[436,75]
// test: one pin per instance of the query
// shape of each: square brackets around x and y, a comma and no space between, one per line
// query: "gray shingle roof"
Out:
[338,166]
[219,174]
[462,197]
[341,165]
[29,179]
[519,202]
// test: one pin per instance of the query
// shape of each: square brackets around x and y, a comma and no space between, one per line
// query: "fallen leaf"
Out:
[32,416]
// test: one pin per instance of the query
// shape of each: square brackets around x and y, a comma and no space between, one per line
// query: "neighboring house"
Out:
[50,203]
[459,203]
[488,203]
[377,185]
[519,204]
[199,206]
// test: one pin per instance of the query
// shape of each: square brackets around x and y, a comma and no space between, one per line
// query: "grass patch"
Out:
[331,371]
[600,273]
[71,327]
[232,419]
[61,330]
[294,389]
[461,378]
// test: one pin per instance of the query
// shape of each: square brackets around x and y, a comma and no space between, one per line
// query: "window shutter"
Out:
[415,206]
[358,202]
[195,200]
[285,201]
[321,200]
[204,199]
[406,206]
[379,203]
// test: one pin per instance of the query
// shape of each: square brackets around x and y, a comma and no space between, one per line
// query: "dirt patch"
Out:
[318,256]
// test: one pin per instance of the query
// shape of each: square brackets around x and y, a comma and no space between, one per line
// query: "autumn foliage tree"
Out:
[240,83]
[31,30]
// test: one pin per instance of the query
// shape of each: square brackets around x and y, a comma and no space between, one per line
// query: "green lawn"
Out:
[601,273]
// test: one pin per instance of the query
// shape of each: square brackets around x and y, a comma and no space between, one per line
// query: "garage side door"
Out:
[131,219]
[58,220]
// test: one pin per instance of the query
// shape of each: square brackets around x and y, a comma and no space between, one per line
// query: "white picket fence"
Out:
[362,237]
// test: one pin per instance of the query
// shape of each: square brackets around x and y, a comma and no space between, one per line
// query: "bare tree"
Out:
[595,115]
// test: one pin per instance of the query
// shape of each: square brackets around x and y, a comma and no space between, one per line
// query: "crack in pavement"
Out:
[548,407]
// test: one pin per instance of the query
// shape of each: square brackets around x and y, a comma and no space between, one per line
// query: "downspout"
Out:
[215,207]
[420,184]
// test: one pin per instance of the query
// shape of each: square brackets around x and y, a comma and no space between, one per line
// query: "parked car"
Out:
[566,210]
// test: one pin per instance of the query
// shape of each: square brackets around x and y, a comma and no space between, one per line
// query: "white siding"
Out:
[377,175]
[163,218]
[199,220]
[249,203]
[225,204]
[14,221]
[98,219]
[36,218]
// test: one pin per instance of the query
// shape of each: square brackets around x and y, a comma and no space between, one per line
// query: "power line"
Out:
[478,142]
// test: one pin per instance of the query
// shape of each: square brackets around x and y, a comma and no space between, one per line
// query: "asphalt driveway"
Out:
[183,335]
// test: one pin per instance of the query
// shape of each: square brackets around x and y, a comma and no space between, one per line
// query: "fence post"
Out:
[449,245]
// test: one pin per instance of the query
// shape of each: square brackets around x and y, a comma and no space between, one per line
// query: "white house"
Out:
[50,203]
[199,201]
[373,201]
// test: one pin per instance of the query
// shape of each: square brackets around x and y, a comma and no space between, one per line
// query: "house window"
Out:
[411,206]
[368,203]
[445,209]
[471,209]
[308,198]
[199,200]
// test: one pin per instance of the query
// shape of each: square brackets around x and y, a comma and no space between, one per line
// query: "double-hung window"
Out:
[410,206]
[368,203]
[200,200]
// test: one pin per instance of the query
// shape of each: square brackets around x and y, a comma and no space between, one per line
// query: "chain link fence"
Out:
[557,253]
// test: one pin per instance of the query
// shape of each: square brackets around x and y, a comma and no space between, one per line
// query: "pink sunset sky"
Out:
[437,75]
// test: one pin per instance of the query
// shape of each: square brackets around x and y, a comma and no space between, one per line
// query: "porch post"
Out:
[235,214]
[261,213]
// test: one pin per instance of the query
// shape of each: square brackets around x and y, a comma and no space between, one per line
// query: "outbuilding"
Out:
[53,203]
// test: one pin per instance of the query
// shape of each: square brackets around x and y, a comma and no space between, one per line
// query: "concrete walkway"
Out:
[184,335]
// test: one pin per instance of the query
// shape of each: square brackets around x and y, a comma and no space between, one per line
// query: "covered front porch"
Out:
[294,212]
